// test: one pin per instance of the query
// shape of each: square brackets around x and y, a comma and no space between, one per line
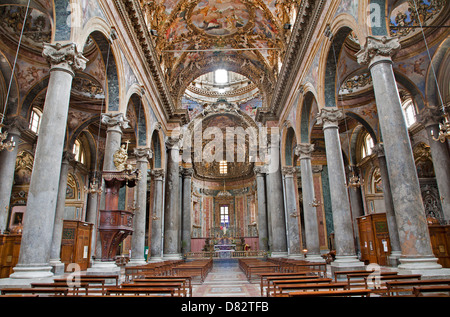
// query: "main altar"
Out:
[225,247]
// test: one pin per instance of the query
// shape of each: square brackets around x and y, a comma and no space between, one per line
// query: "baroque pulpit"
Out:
[115,224]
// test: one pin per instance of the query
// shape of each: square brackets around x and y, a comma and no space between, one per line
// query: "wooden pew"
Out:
[194,268]
[302,280]
[185,280]
[359,279]
[438,290]
[394,288]
[338,273]
[256,266]
[342,293]
[381,281]
[100,289]
[55,291]
[73,288]
[137,291]
[265,277]
[178,286]
[308,286]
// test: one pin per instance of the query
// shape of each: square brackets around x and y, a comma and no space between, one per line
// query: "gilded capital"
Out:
[115,120]
[304,150]
[378,48]
[329,116]
[65,57]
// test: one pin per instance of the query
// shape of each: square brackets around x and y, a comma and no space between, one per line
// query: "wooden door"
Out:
[440,242]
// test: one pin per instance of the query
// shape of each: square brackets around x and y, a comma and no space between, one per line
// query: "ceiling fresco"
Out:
[193,37]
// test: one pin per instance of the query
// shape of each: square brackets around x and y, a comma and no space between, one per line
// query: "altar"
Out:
[224,248]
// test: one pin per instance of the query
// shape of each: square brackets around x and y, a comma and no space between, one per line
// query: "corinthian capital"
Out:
[304,150]
[115,120]
[142,154]
[378,49]
[158,173]
[430,116]
[173,141]
[64,56]
[329,116]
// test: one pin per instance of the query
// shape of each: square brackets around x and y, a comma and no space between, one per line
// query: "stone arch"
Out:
[337,32]
[288,144]
[135,96]
[157,147]
[441,62]
[5,76]
[309,103]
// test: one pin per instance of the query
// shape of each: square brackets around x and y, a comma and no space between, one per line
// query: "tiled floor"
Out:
[226,280]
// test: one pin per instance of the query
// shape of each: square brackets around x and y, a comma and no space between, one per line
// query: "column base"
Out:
[427,267]
[31,272]
[155,259]
[314,258]
[175,256]
[279,254]
[136,262]
[346,263]
[105,268]
[57,267]
[394,258]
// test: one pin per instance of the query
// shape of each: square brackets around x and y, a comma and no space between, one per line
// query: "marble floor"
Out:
[226,279]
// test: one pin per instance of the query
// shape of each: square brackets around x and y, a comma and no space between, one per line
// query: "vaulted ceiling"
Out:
[193,37]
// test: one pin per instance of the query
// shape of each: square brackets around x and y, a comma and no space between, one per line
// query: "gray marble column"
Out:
[92,208]
[275,200]
[186,209]
[304,151]
[262,208]
[115,123]
[138,236]
[156,242]
[357,207]
[7,168]
[37,233]
[292,214]
[430,118]
[417,254]
[172,219]
[389,205]
[55,253]
[342,220]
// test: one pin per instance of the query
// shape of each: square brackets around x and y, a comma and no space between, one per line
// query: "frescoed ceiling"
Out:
[193,37]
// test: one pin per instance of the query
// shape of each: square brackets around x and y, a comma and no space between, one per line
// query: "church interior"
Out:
[225,148]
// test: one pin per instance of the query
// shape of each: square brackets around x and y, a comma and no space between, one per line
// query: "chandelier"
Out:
[354,181]
[8,145]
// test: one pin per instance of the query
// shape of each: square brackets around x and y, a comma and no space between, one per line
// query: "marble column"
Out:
[186,209]
[115,123]
[172,220]
[37,233]
[304,151]
[92,208]
[417,253]
[389,205]
[262,208]
[156,250]
[357,207]
[430,119]
[7,168]
[342,220]
[138,237]
[292,214]
[55,253]
[275,201]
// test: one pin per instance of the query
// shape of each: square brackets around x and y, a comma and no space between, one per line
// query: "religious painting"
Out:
[220,17]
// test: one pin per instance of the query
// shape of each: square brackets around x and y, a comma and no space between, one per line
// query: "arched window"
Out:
[367,145]
[35,120]
[409,112]
[78,152]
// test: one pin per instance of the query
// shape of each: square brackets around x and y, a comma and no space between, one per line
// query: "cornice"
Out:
[305,24]
[137,29]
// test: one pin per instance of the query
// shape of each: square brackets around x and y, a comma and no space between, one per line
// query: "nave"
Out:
[230,278]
